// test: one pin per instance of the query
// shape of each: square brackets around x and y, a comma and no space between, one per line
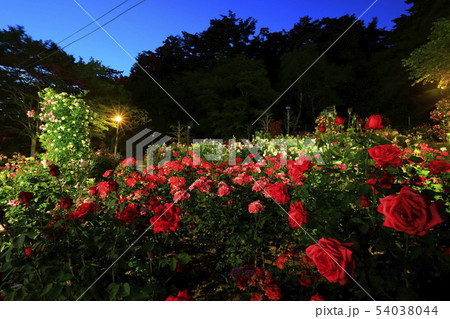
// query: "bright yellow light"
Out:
[118,118]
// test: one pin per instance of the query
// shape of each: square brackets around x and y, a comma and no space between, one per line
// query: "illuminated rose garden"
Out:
[353,211]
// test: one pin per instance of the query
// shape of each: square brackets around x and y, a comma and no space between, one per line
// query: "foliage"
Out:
[65,133]
[431,62]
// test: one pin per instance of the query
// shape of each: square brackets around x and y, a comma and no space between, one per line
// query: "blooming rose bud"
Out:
[339,121]
[374,123]
[25,197]
[365,202]
[322,128]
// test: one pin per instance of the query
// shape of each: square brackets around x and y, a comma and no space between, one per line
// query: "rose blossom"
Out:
[65,202]
[182,296]
[385,155]
[297,215]
[224,189]
[54,170]
[364,201]
[13,203]
[317,297]
[322,128]
[409,211]
[278,192]
[82,210]
[437,167]
[374,123]
[255,207]
[326,266]
[25,197]
[339,121]
[273,292]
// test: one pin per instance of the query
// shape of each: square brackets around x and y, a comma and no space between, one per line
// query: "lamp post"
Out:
[117,119]
[288,115]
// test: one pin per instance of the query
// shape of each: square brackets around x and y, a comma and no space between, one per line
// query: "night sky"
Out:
[147,25]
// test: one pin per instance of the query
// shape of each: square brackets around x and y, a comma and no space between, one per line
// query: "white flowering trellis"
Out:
[64,131]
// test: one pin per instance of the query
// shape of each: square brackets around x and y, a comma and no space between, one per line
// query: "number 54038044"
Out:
[406,310]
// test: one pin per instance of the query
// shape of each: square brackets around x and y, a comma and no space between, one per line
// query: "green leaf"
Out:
[47,288]
[18,241]
[125,289]
[416,159]
[113,288]
[173,264]
[183,258]
[364,189]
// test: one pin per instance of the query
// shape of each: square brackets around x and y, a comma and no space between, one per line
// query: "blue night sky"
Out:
[147,25]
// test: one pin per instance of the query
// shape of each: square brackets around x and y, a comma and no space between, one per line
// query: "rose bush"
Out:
[234,225]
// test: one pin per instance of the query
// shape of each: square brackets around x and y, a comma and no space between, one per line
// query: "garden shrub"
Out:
[64,130]
[379,203]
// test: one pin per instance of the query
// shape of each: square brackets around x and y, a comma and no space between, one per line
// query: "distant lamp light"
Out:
[117,119]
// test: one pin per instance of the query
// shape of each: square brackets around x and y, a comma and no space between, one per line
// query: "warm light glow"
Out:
[118,118]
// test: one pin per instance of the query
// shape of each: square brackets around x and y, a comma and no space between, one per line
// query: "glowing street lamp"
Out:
[118,119]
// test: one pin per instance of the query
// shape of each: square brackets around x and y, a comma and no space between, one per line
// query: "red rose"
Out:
[255,207]
[105,187]
[409,211]
[305,279]
[130,213]
[365,202]
[384,181]
[83,209]
[166,218]
[437,167]
[317,297]
[278,192]
[339,121]
[385,155]
[65,203]
[113,185]
[297,215]
[130,182]
[241,282]
[25,197]
[273,292]
[224,189]
[182,296]
[281,260]
[374,123]
[326,266]
[257,297]
[322,128]
[54,170]
[93,190]
[107,173]
[28,252]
